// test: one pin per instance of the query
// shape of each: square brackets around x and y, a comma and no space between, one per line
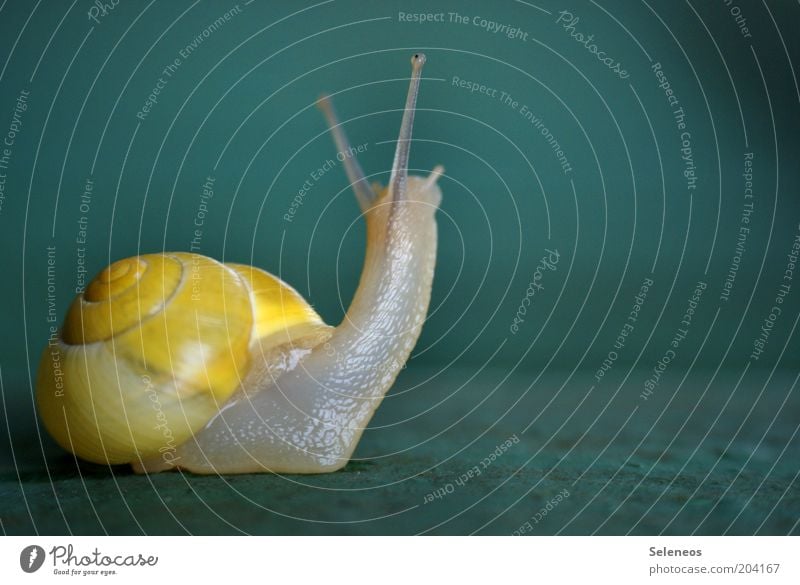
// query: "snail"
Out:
[176,360]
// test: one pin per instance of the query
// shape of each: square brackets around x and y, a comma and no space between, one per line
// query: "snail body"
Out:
[175,360]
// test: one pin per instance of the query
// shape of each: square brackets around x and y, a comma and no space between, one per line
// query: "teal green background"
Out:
[721,425]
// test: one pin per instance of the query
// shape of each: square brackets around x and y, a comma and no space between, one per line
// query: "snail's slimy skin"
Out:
[309,419]
[308,415]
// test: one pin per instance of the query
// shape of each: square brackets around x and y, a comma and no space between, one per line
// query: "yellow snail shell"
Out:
[175,360]
[157,344]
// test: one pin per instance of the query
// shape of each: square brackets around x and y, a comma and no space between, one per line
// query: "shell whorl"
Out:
[123,294]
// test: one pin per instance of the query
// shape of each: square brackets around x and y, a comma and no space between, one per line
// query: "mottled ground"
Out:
[697,457]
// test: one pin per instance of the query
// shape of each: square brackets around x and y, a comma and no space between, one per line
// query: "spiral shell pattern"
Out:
[154,347]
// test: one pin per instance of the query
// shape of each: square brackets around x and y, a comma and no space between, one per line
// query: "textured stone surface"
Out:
[626,470]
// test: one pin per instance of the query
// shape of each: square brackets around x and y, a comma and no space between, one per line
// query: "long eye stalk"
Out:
[361,187]
[397,182]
